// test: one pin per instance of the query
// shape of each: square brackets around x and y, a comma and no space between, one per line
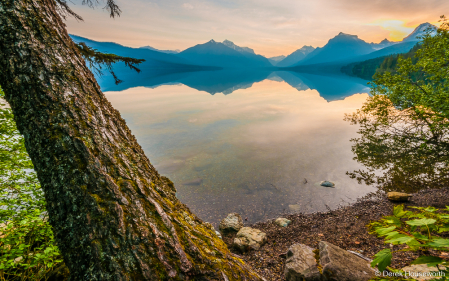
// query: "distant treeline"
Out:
[367,69]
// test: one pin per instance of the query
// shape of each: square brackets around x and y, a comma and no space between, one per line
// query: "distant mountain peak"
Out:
[307,48]
[426,24]
[423,27]
[212,41]
[276,59]
[342,34]
[162,51]
[233,46]
[419,31]
[296,56]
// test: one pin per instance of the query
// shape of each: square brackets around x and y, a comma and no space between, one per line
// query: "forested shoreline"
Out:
[378,66]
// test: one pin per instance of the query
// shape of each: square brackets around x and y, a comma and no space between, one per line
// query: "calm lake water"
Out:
[253,143]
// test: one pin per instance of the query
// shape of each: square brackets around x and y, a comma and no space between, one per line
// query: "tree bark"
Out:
[114,217]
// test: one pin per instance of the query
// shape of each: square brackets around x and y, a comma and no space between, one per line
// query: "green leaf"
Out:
[382,259]
[384,231]
[429,260]
[421,222]
[398,211]
[420,236]
[443,229]
[414,244]
[401,239]
[392,235]
[439,243]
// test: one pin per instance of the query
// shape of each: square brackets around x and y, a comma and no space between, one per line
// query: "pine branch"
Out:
[64,10]
[97,60]
[111,7]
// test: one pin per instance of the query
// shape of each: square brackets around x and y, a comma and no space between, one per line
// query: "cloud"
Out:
[397,28]
[270,27]
[187,6]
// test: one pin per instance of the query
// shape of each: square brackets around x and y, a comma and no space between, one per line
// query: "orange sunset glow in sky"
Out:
[270,27]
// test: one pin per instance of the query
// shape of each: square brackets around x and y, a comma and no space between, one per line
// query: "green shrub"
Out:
[420,230]
[27,247]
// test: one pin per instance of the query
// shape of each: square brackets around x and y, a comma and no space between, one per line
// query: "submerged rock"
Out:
[301,264]
[294,208]
[398,196]
[249,239]
[338,264]
[282,222]
[327,184]
[232,223]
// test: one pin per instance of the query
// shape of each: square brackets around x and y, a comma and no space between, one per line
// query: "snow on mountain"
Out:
[421,30]
[237,48]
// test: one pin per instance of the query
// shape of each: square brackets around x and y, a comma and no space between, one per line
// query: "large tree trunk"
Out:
[114,216]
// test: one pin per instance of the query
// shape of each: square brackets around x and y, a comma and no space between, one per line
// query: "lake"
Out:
[253,142]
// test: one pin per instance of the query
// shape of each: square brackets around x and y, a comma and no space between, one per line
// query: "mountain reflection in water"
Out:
[330,86]
[244,141]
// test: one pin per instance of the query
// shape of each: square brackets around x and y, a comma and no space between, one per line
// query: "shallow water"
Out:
[259,148]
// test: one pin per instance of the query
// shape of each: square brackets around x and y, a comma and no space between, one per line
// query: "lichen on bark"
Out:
[113,215]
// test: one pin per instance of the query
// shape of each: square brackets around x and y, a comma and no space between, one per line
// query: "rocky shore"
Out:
[345,228]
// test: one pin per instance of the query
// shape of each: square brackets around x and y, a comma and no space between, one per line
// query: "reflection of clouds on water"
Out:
[330,86]
[250,151]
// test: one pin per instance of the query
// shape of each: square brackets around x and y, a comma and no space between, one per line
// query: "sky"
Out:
[270,27]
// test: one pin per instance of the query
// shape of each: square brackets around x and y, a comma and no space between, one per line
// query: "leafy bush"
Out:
[27,248]
[420,230]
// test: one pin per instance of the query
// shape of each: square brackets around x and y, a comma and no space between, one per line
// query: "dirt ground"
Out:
[345,227]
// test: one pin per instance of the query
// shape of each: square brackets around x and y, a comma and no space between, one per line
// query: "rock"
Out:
[294,208]
[338,264]
[282,222]
[301,264]
[422,272]
[398,196]
[249,238]
[232,223]
[327,184]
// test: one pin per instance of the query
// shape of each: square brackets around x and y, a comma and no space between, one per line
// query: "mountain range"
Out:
[340,50]
[276,59]
[341,46]
[348,48]
[226,55]
[296,56]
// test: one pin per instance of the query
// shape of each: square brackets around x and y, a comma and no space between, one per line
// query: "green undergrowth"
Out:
[27,247]
[422,230]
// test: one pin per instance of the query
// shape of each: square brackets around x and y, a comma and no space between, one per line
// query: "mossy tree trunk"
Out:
[114,216]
